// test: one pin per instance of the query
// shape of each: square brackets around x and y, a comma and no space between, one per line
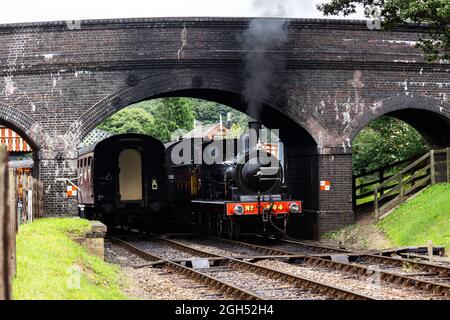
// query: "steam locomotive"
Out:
[122,180]
[227,188]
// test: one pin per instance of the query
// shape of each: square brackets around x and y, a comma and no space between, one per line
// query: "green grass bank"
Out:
[425,217]
[50,265]
[422,218]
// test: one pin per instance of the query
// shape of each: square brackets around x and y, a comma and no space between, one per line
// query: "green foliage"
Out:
[47,257]
[172,114]
[383,142]
[158,118]
[130,120]
[166,118]
[425,217]
[209,112]
[434,13]
[237,130]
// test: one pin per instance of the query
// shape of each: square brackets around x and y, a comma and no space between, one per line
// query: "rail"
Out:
[301,282]
[224,287]
[386,275]
[431,168]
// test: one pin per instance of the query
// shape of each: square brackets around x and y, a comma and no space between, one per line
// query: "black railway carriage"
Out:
[242,192]
[122,179]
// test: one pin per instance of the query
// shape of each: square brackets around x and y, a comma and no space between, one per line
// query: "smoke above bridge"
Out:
[260,41]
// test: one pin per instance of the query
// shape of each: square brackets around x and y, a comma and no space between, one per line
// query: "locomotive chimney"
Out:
[254,127]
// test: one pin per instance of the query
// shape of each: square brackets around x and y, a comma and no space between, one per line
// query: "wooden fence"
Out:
[364,184]
[29,193]
[431,168]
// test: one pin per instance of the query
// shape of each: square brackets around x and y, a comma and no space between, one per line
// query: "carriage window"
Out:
[89,161]
[84,164]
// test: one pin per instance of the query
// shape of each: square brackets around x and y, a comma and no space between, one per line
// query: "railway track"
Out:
[212,282]
[438,272]
[426,271]
[227,273]
[306,247]
[403,272]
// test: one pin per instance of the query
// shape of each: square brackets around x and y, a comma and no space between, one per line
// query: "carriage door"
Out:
[130,175]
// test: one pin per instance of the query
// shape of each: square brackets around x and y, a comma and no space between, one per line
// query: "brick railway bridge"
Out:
[61,79]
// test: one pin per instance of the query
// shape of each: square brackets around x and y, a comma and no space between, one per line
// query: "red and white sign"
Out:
[325,185]
[71,191]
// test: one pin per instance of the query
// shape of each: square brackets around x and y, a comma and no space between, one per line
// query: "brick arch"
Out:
[428,115]
[219,86]
[20,123]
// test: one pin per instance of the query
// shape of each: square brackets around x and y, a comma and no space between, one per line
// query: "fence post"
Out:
[41,198]
[12,201]
[375,203]
[381,176]
[402,187]
[5,229]
[448,164]
[432,167]
[354,192]
[430,250]
[34,195]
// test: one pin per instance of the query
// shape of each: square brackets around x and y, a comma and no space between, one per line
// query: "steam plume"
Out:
[260,41]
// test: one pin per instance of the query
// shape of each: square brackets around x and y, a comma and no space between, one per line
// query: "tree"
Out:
[385,141]
[172,114]
[433,13]
[204,111]
[167,118]
[237,130]
[209,112]
[130,120]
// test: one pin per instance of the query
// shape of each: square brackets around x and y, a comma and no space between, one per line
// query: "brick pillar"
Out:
[302,171]
[335,205]
[52,168]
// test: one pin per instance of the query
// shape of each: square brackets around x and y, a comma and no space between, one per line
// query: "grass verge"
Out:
[49,262]
[425,217]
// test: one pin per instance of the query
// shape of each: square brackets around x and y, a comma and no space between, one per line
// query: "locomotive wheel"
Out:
[278,236]
[232,230]
[209,225]
[237,231]
[219,228]
[88,213]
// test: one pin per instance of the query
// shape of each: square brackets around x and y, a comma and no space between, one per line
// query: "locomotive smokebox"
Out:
[259,175]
